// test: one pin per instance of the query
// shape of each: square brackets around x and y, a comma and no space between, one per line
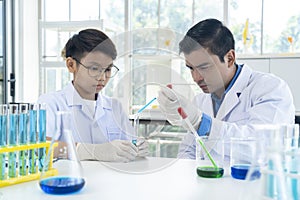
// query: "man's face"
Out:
[210,74]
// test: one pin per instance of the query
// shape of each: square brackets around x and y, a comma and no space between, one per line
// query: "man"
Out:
[234,95]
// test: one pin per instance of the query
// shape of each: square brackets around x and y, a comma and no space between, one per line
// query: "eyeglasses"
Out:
[95,71]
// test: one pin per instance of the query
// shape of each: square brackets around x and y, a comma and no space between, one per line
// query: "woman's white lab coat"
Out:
[255,98]
[109,123]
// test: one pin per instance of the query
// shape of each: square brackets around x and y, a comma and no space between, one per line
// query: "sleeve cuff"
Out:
[205,125]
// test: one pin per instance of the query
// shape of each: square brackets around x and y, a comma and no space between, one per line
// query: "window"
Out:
[275,30]
[281,27]
[153,25]
[59,23]
[245,25]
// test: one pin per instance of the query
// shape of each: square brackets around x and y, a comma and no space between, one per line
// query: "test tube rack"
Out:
[29,177]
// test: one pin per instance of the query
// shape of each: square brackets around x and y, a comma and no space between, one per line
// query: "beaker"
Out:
[69,178]
[215,149]
[243,157]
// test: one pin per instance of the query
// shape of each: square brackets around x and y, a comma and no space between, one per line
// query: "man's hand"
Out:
[170,101]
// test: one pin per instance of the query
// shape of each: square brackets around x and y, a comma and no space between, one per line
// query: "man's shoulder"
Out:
[266,79]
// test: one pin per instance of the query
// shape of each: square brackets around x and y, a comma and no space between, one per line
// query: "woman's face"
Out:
[87,84]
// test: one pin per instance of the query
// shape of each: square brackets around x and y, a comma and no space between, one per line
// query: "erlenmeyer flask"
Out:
[69,178]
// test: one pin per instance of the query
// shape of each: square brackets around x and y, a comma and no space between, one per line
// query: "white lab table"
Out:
[149,178]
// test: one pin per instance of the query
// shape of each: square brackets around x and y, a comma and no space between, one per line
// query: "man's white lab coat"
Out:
[255,98]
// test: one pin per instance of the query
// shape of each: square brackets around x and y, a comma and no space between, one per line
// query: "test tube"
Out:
[23,129]
[32,136]
[12,139]
[42,133]
[136,128]
[3,137]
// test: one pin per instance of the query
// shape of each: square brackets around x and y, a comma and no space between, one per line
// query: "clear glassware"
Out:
[3,139]
[23,135]
[69,178]
[276,155]
[215,150]
[12,139]
[41,133]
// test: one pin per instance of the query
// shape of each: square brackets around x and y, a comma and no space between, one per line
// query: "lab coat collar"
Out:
[75,100]
[72,96]
[103,103]
[232,97]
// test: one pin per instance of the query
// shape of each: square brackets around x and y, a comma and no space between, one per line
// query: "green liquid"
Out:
[210,172]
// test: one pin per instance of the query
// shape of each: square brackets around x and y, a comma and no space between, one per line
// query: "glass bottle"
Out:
[69,178]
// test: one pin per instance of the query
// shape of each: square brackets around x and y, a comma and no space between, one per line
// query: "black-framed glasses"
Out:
[95,71]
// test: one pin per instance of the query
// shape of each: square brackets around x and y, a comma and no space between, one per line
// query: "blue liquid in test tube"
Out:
[23,129]
[42,134]
[32,136]
[3,136]
[12,139]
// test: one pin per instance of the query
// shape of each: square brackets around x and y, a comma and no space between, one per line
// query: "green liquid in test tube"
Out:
[12,140]
[42,133]
[3,136]
[32,136]
[23,124]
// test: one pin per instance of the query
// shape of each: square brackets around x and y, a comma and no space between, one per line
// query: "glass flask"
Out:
[69,178]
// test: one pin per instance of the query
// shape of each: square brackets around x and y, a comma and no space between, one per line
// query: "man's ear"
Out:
[231,57]
[71,64]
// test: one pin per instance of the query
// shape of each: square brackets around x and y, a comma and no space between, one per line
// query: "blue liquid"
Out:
[13,129]
[42,125]
[42,138]
[23,119]
[32,139]
[240,172]
[134,142]
[62,185]
[3,121]
[12,141]
[32,126]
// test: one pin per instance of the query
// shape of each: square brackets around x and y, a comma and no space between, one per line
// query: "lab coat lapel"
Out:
[100,104]
[74,100]
[232,97]
[230,101]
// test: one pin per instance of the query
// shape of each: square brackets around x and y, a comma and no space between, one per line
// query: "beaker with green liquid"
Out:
[205,168]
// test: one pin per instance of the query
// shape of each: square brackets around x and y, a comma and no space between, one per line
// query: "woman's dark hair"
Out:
[89,40]
[209,34]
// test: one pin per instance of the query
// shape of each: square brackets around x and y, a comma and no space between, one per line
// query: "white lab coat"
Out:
[109,123]
[255,98]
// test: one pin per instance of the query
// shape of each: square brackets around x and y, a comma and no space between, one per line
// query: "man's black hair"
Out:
[209,34]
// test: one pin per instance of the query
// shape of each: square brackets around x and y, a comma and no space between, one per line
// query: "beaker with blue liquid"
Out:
[70,177]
